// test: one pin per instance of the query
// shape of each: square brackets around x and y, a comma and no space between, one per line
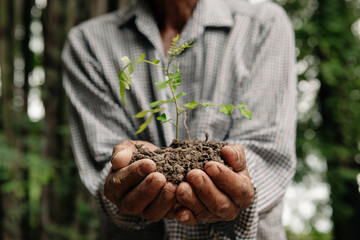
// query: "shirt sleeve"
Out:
[269,138]
[95,122]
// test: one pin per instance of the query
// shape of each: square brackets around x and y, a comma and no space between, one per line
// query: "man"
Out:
[243,53]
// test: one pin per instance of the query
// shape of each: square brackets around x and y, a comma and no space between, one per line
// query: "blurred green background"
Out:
[41,196]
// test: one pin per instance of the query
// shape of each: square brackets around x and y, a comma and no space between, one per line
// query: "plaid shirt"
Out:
[244,53]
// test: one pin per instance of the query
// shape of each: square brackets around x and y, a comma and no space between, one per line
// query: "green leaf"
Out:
[176,67]
[145,124]
[162,117]
[180,95]
[246,113]
[241,105]
[161,82]
[141,114]
[125,59]
[156,103]
[227,109]
[156,110]
[204,104]
[161,85]
[125,77]
[125,80]
[124,84]
[131,69]
[172,49]
[175,78]
[167,120]
[174,87]
[156,61]
[141,58]
[191,105]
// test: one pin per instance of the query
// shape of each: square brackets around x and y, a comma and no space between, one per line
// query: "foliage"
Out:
[40,192]
[327,39]
[173,82]
[41,195]
[313,235]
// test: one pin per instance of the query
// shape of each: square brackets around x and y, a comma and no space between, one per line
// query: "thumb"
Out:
[121,157]
[234,155]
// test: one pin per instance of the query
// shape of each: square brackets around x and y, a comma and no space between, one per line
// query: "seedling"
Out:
[173,82]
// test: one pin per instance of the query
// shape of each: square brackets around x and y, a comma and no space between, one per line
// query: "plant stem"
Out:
[152,63]
[178,110]
[186,127]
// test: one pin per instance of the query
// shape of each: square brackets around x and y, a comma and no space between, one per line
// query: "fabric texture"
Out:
[243,53]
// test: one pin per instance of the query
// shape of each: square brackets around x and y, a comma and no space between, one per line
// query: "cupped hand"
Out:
[136,189]
[217,193]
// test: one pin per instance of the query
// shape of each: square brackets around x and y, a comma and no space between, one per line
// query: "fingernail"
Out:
[184,217]
[235,153]
[197,180]
[156,184]
[186,194]
[212,170]
[115,165]
[121,158]
[115,153]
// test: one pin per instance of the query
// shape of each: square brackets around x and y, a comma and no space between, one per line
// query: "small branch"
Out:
[178,110]
[186,127]
[173,124]
[152,63]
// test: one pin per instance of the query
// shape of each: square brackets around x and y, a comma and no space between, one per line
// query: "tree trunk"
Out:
[7,67]
[98,7]
[7,73]
[26,230]
[58,206]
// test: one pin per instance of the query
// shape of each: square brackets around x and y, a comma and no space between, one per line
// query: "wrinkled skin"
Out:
[213,194]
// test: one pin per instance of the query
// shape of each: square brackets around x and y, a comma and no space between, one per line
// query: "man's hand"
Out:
[136,189]
[217,193]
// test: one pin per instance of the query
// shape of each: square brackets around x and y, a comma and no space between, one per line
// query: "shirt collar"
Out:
[212,13]
[207,13]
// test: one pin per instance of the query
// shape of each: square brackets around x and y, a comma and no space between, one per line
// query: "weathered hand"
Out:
[217,193]
[136,189]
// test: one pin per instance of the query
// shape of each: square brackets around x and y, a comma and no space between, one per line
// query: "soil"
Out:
[176,160]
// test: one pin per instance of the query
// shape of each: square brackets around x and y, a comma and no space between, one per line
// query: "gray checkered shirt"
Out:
[244,53]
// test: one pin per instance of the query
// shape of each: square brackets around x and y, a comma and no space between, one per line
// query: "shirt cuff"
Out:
[245,226]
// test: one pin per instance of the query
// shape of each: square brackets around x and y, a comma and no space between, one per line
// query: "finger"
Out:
[211,197]
[234,155]
[237,186]
[162,204]
[135,201]
[121,157]
[170,215]
[177,205]
[185,216]
[186,196]
[120,182]
[122,153]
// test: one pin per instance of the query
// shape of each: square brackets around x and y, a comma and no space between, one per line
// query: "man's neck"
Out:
[171,17]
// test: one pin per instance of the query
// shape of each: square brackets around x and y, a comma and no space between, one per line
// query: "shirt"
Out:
[243,53]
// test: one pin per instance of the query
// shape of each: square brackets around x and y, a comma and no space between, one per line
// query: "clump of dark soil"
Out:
[176,160]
